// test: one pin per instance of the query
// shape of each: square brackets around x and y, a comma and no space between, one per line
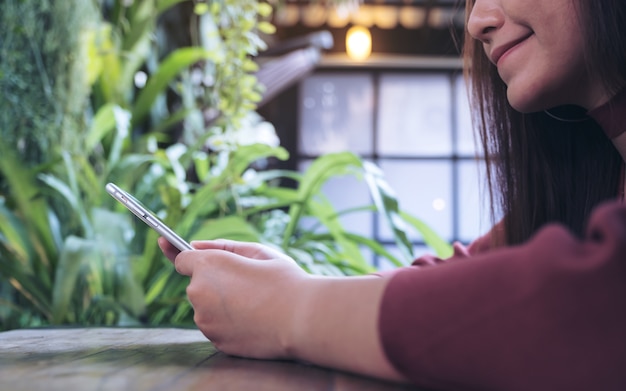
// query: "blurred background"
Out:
[402,105]
[336,131]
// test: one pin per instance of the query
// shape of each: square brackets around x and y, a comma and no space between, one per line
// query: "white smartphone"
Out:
[147,217]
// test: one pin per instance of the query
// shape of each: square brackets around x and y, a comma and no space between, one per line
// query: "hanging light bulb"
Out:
[358,43]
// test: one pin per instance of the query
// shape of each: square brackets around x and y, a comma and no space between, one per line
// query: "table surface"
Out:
[151,359]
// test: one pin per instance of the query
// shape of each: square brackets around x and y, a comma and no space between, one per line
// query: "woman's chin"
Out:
[524,108]
[526,104]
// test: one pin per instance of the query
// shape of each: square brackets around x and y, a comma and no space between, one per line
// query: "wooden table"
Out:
[151,359]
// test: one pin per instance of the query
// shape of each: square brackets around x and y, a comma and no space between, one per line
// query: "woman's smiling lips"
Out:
[498,52]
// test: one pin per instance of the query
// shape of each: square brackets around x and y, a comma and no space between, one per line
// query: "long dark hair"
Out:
[541,170]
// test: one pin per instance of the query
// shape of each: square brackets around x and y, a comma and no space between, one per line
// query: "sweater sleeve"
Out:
[550,314]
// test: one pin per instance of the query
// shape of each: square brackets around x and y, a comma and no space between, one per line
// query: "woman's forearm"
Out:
[336,325]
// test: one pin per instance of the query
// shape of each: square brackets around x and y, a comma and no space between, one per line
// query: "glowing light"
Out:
[358,43]
[141,79]
[439,204]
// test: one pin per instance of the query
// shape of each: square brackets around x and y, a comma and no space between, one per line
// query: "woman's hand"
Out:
[244,295]
[253,301]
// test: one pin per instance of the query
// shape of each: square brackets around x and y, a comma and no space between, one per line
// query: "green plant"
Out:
[67,258]
[44,88]
[63,263]
[71,254]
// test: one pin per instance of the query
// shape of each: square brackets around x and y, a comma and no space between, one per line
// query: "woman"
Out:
[547,161]
[533,304]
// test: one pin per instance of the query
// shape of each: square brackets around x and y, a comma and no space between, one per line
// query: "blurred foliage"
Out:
[44,89]
[178,129]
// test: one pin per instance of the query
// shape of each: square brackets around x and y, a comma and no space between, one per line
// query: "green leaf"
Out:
[90,180]
[207,196]
[141,25]
[376,248]
[442,248]
[14,237]
[97,268]
[71,198]
[148,262]
[266,28]
[29,205]
[109,63]
[33,288]
[128,291]
[387,204]
[102,123]
[230,227]
[130,167]
[350,252]
[243,156]
[164,5]
[170,67]
[75,251]
[264,9]
[182,312]
[157,287]
[322,169]
[201,8]
[171,121]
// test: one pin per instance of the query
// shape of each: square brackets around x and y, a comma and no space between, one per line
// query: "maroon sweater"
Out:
[546,315]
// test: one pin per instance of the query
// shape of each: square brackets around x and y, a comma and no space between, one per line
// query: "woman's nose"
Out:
[486,16]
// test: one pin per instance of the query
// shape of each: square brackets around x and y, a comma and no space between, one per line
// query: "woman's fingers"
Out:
[168,249]
[246,249]
[226,245]
[189,260]
[184,262]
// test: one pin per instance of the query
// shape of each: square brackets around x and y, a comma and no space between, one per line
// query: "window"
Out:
[415,125]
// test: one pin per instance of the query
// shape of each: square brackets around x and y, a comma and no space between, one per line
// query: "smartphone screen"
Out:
[147,217]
